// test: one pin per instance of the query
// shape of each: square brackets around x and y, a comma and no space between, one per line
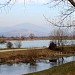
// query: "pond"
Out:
[37,43]
[23,68]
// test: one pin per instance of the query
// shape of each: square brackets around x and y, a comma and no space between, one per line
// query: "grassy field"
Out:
[64,69]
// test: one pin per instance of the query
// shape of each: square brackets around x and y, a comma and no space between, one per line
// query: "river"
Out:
[23,68]
[37,43]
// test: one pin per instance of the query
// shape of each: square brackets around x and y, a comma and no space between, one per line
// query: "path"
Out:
[7,50]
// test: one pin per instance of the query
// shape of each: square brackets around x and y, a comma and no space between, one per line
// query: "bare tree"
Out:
[31,35]
[59,35]
[68,8]
[18,44]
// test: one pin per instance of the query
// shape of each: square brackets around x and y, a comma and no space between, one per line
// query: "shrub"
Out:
[31,57]
[52,46]
[9,45]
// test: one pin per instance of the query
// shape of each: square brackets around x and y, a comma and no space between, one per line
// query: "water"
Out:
[22,68]
[37,43]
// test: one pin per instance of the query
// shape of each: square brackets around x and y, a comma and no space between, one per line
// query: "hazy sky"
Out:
[30,12]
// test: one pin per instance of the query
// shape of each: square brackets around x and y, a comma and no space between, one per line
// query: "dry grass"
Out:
[40,52]
[35,53]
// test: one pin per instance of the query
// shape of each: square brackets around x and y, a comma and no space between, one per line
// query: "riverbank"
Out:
[11,56]
[36,38]
[64,69]
[30,55]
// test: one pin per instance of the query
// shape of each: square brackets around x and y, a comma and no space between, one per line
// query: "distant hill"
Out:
[25,30]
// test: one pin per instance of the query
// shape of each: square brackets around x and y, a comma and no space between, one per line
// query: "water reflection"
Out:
[22,68]
[32,68]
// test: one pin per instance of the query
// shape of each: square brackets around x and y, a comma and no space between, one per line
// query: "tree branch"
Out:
[6,3]
[3,5]
[56,4]
[57,24]
[72,2]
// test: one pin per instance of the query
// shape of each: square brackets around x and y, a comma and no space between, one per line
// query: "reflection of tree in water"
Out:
[57,62]
[53,64]
[32,68]
[73,58]
[60,60]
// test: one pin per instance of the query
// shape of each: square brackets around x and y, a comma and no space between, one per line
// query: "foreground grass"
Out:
[64,69]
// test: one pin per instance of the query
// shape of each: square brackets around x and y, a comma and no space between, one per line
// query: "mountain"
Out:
[25,29]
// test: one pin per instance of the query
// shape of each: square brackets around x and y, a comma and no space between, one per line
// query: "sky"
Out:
[31,11]
[20,13]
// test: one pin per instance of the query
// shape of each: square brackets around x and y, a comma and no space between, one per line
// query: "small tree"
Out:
[9,45]
[18,44]
[31,35]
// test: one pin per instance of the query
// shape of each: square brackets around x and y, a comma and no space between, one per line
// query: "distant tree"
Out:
[58,35]
[22,37]
[31,35]
[18,44]
[9,45]
[2,36]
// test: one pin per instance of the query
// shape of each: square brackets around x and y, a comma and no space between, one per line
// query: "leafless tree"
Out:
[31,35]
[68,8]
[59,35]
[18,44]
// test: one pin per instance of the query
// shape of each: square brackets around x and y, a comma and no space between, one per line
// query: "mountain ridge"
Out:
[25,29]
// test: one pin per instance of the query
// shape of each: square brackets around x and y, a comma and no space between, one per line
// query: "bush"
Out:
[52,46]
[31,57]
[9,45]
